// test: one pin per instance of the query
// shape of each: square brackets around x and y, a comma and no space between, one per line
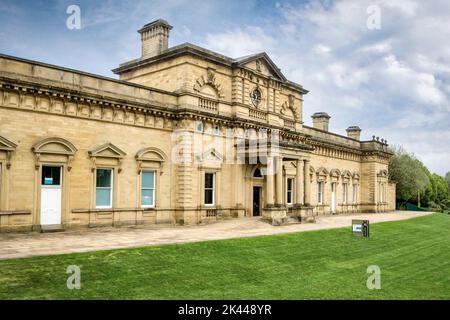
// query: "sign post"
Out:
[360,228]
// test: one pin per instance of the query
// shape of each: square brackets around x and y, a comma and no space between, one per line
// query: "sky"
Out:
[381,65]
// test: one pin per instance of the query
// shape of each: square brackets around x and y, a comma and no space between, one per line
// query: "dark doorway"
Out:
[256,201]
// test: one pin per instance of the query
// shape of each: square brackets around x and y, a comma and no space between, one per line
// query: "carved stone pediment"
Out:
[346,176]
[56,147]
[261,63]
[109,151]
[383,174]
[209,80]
[210,157]
[288,108]
[8,147]
[150,156]
[322,174]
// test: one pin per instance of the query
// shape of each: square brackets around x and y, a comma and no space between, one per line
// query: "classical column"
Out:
[269,182]
[279,182]
[299,186]
[307,183]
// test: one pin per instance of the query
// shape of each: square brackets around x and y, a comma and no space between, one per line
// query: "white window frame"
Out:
[290,192]
[355,193]
[320,188]
[213,189]
[111,191]
[154,188]
[345,193]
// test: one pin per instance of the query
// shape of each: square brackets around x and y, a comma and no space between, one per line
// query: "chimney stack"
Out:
[354,132]
[321,120]
[155,38]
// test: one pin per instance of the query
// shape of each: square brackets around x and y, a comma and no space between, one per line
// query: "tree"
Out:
[447,178]
[409,173]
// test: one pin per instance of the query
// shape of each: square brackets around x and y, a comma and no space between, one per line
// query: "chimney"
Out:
[321,120]
[354,132]
[155,38]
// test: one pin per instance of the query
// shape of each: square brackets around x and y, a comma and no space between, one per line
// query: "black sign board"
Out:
[360,228]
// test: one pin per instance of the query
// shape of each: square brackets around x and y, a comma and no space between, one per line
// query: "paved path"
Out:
[39,244]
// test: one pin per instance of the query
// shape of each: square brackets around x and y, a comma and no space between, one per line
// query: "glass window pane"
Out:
[148,179]
[103,198]
[51,176]
[209,180]
[104,178]
[147,198]
[208,196]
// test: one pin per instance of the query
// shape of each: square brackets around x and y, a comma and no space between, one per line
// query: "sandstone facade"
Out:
[185,136]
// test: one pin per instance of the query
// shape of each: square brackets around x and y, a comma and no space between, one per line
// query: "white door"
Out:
[51,194]
[333,197]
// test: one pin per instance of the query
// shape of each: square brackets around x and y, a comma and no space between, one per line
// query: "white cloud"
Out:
[394,82]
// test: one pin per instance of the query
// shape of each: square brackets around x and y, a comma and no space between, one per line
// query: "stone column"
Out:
[269,182]
[299,185]
[279,181]
[307,184]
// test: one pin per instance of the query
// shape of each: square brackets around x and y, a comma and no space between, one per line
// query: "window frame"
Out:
[345,193]
[111,188]
[197,124]
[355,193]
[213,189]
[291,191]
[320,189]
[154,188]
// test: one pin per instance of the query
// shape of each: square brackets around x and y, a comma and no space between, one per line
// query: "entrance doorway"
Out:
[256,201]
[51,195]
[333,197]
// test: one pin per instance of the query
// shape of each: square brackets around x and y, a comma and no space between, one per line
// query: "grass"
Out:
[413,255]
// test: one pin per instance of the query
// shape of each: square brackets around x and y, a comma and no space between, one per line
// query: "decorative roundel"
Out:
[256,97]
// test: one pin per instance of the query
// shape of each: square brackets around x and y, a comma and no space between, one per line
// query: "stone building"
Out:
[185,136]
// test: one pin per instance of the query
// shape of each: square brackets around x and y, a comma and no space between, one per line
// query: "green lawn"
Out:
[413,255]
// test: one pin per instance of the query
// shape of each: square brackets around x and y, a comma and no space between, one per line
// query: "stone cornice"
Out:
[137,114]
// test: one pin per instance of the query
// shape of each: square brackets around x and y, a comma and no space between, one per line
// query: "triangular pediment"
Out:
[107,150]
[211,156]
[261,63]
[7,145]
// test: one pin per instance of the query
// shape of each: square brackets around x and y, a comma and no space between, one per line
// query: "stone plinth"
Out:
[276,216]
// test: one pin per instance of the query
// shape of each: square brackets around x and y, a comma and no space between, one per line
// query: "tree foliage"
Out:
[409,173]
[447,178]
[412,178]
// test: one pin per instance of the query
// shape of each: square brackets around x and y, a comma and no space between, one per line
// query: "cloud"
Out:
[393,82]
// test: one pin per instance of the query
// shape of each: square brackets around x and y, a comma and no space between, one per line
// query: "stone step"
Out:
[52,228]
[292,220]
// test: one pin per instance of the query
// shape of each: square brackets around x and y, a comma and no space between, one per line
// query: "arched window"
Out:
[257,173]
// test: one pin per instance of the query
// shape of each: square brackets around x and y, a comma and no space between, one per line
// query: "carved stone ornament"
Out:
[209,79]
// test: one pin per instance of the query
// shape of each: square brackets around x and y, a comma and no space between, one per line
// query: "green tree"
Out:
[409,173]
[447,178]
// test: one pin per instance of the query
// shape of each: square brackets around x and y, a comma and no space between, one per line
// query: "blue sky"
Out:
[394,82]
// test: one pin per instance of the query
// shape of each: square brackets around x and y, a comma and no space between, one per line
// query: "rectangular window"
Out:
[210,188]
[148,189]
[355,194]
[51,176]
[104,188]
[344,193]
[320,193]
[289,189]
